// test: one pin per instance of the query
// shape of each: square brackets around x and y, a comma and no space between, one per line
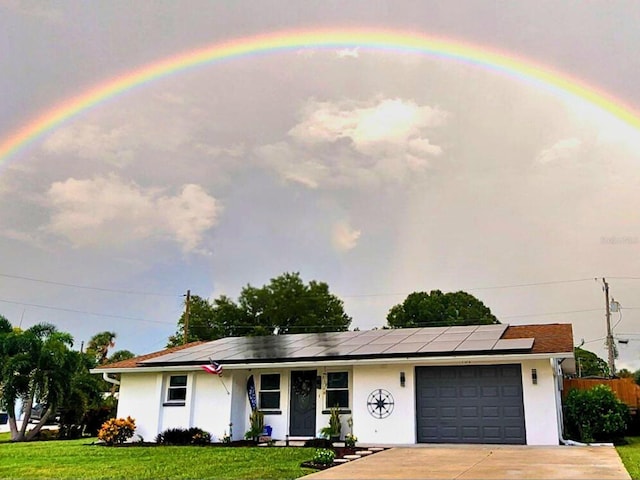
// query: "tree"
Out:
[285,305]
[37,365]
[100,344]
[209,321]
[120,355]
[436,309]
[624,373]
[588,364]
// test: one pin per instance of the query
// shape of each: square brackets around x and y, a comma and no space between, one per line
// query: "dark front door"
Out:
[303,404]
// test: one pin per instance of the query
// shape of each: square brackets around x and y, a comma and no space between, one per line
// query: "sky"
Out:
[379,171]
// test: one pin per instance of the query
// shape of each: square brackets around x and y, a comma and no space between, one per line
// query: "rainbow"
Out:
[377,39]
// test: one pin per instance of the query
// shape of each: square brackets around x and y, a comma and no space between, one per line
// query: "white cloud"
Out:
[90,141]
[107,211]
[561,150]
[366,125]
[344,237]
[347,143]
[348,52]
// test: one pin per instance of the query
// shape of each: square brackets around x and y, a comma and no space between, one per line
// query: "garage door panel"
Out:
[470,404]
[469,412]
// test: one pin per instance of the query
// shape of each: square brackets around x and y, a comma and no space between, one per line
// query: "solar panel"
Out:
[410,341]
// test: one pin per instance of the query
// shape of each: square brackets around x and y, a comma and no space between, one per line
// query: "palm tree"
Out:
[100,344]
[37,366]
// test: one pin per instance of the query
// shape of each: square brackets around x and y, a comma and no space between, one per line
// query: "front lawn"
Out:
[80,459]
[630,455]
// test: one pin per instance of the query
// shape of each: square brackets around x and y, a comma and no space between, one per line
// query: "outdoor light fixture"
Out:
[402,379]
[534,376]
[318,382]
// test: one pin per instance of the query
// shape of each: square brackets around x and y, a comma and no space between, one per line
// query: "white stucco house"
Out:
[467,384]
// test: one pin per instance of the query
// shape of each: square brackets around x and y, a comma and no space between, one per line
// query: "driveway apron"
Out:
[483,462]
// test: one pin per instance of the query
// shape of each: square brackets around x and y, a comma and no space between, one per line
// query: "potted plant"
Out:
[332,432]
[256,425]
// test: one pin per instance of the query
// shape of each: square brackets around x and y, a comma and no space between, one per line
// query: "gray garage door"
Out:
[473,404]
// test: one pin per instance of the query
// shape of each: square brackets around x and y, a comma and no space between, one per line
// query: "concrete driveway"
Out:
[483,462]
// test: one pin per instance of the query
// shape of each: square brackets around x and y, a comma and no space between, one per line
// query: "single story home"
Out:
[496,384]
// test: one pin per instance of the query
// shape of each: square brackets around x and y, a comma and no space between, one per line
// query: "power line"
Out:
[62,309]
[86,287]
[517,285]
[493,287]
[552,313]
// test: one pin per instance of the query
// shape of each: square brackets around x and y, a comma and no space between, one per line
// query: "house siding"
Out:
[541,419]
[210,407]
[139,398]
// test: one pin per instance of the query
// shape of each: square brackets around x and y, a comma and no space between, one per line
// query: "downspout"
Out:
[107,378]
[565,441]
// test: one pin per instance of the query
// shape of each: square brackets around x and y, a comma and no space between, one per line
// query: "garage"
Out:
[470,404]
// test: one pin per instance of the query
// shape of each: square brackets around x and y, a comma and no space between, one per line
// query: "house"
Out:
[464,384]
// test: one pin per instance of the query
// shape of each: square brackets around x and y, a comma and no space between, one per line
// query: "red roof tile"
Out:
[549,338]
[133,362]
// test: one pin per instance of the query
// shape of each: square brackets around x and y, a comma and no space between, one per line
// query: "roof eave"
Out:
[424,360]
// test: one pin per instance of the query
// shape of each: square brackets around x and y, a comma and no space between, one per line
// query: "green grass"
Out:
[80,459]
[630,455]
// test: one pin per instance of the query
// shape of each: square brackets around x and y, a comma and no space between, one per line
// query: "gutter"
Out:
[448,360]
[107,378]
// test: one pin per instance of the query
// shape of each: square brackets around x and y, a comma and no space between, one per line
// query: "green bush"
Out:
[595,415]
[184,436]
[318,443]
[324,456]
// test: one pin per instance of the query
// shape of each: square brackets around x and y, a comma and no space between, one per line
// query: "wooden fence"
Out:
[624,388]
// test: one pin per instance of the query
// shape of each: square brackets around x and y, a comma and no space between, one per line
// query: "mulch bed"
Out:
[340,453]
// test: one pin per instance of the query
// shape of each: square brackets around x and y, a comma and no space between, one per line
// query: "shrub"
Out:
[117,430]
[324,456]
[184,436]
[350,440]
[319,443]
[595,415]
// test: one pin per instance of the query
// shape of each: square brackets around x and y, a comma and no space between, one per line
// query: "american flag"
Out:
[214,367]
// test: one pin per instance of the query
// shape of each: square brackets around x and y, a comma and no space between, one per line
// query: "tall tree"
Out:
[37,365]
[285,305]
[100,344]
[588,364]
[209,320]
[436,309]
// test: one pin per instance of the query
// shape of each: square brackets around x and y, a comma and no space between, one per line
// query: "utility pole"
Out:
[186,317]
[610,345]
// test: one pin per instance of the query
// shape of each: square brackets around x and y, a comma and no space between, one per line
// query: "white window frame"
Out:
[334,389]
[278,391]
[171,388]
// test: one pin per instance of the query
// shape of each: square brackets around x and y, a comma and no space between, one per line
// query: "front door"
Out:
[303,404]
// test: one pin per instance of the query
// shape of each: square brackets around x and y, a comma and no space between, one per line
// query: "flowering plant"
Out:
[324,456]
[350,440]
[117,430]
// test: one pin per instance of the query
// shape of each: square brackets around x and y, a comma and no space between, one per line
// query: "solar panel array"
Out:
[366,344]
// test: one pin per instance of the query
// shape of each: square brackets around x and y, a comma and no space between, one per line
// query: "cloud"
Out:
[90,141]
[344,237]
[347,143]
[348,52]
[366,125]
[561,150]
[107,211]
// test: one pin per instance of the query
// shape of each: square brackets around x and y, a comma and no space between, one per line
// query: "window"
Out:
[338,389]
[270,391]
[177,391]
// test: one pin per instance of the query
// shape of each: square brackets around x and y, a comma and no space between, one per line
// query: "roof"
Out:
[554,337]
[385,343]
[133,362]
